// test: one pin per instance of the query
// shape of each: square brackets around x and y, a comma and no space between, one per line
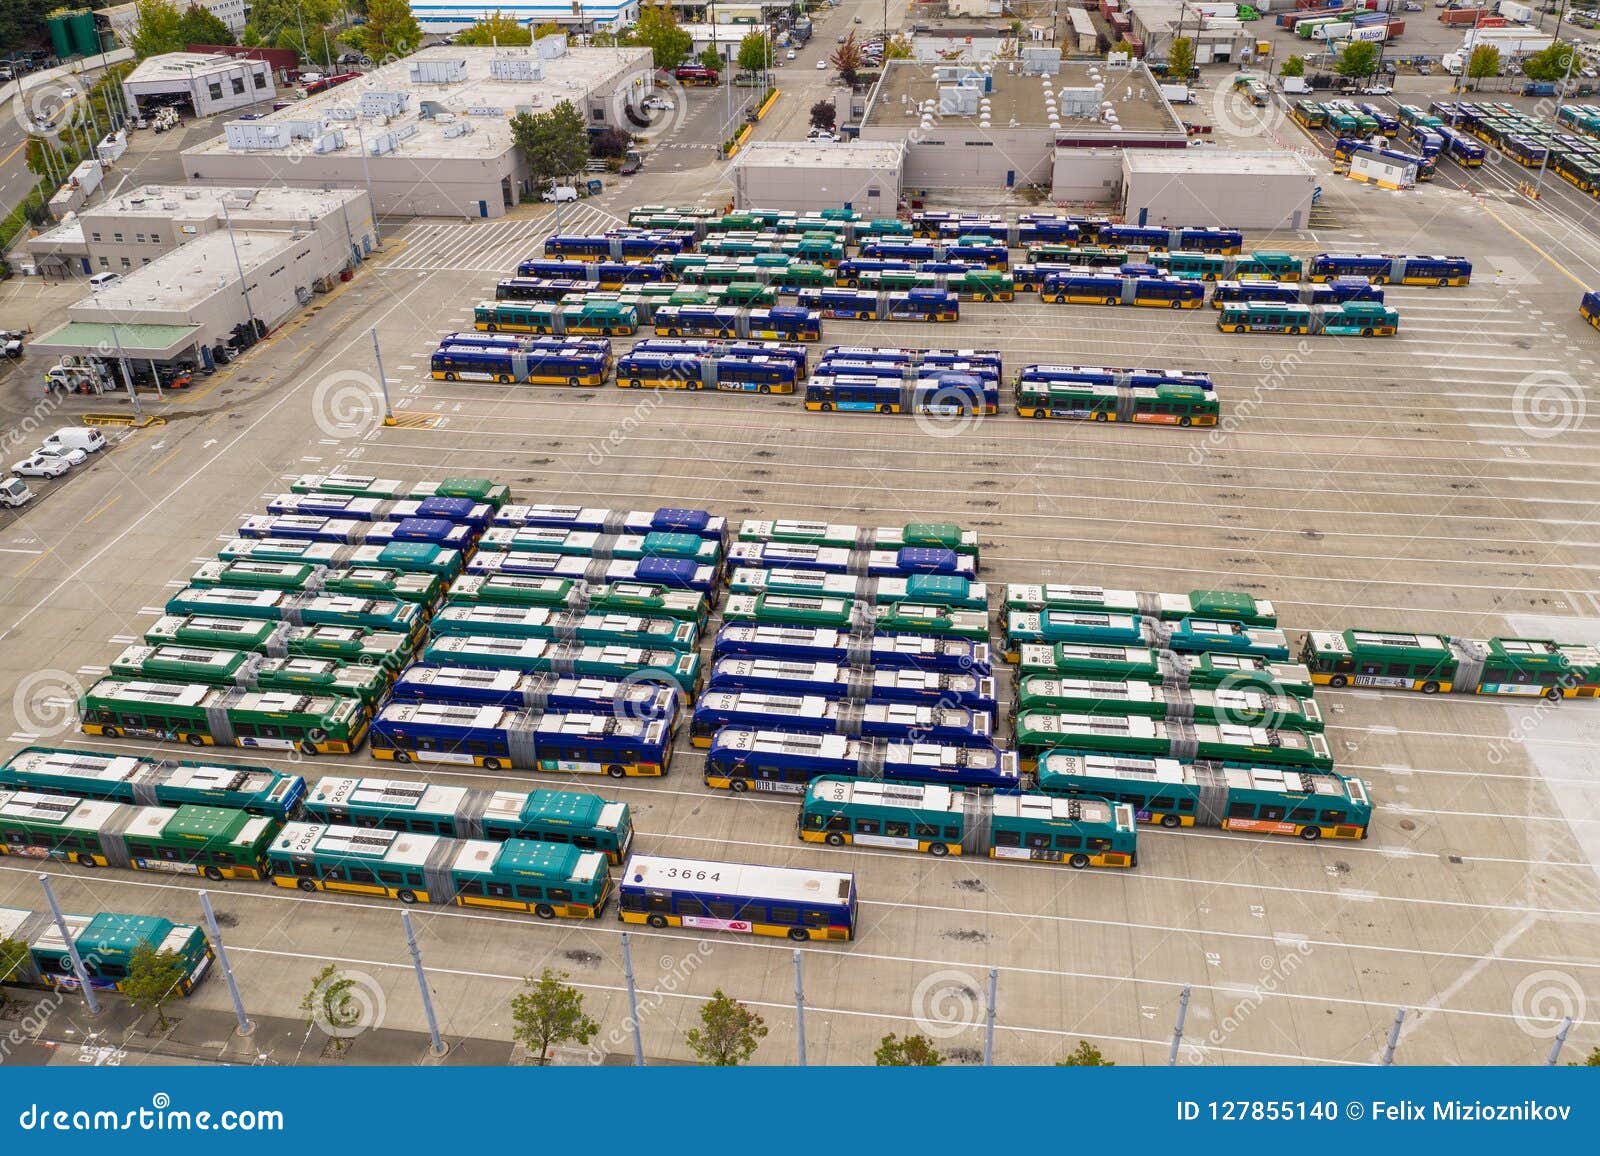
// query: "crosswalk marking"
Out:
[493,246]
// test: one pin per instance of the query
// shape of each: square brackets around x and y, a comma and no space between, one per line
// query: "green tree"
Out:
[847,59]
[711,58]
[159,29]
[1294,66]
[496,28]
[1180,58]
[824,114]
[1484,61]
[554,144]
[729,1033]
[899,48]
[23,20]
[657,29]
[199,25]
[915,1051]
[154,978]
[1593,1061]
[1551,64]
[13,954]
[390,29]
[328,1004]
[1085,1055]
[546,29]
[1357,58]
[754,53]
[549,1012]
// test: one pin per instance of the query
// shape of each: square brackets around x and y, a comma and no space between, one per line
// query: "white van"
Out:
[76,437]
[14,492]
[101,280]
[559,194]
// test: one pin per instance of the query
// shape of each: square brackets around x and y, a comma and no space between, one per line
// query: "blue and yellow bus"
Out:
[900,721]
[1589,308]
[881,651]
[940,393]
[702,895]
[1118,289]
[784,762]
[528,740]
[686,371]
[839,681]
[1386,268]
[509,365]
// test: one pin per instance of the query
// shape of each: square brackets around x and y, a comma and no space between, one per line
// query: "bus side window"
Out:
[1241,811]
[1303,815]
[305,870]
[661,903]
[1334,817]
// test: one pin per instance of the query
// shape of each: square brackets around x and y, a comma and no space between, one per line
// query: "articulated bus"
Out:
[479,686]
[546,879]
[783,762]
[839,681]
[473,489]
[606,274]
[1213,605]
[895,563]
[600,547]
[1226,704]
[1039,731]
[563,625]
[902,721]
[942,393]
[593,519]
[727,374]
[1179,405]
[526,740]
[106,944]
[1188,635]
[215,842]
[670,668]
[703,895]
[508,366]
[837,366]
[365,684]
[590,318]
[939,820]
[929,589]
[1351,319]
[571,594]
[1100,660]
[576,818]
[1335,292]
[1118,289]
[616,245]
[1434,663]
[1387,268]
[406,618]
[1263,800]
[880,651]
[987,358]
[148,781]
[223,716]
[674,573]
[306,578]
[940,535]
[357,645]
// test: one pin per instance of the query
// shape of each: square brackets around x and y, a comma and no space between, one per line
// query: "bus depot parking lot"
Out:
[1438,481]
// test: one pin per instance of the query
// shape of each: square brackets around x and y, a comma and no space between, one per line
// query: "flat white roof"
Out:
[821,154]
[181,67]
[183,277]
[1214,161]
[243,204]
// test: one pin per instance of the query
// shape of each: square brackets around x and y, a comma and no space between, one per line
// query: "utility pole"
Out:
[383,384]
[438,1046]
[633,1003]
[89,999]
[1561,95]
[246,1028]
[237,264]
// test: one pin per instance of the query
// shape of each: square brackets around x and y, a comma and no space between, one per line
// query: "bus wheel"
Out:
[1177,305]
[573,381]
[1338,680]
[765,389]
[1444,282]
[111,732]
[307,884]
[1430,688]
[657,921]
[85,859]
[449,376]
[835,839]
[1079,861]
[615,771]
[1185,421]
[1113,300]
[505,379]
[490,327]
[1553,694]
[1100,415]
[406,896]
[938,850]
[886,409]
[738,786]
[307,747]
[1366,332]
[213,874]
[491,764]
[1040,413]
[544,911]
[1311,834]
[1170,821]
[402,756]
[195,741]
[827,406]
[635,383]
[799,934]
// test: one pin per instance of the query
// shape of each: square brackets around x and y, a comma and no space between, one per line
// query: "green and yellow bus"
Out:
[789,609]
[1435,663]
[1251,706]
[203,716]
[251,671]
[106,944]
[1038,731]
[216,842]
[1212,669]
[598,318]
[544,879]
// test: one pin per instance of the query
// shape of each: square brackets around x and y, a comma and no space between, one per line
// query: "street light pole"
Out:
[237,264]
[1561,95]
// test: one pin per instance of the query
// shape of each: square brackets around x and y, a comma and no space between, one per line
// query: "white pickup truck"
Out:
[14,491]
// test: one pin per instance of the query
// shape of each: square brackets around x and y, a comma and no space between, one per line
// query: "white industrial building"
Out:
[203,83]
[122,19]
[218,258]
[804,175]
[429,134]
[1211,186]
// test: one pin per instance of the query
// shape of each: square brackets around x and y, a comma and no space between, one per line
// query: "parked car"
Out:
[1376,90]
[821,64]
[77,437]
[100,280]
[789,55]
[72,457]
[40,466]
[657,104]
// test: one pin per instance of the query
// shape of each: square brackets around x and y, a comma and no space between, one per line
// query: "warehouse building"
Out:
[122,19]
[966,127]
[804,175]
[206,279]
[1224,187]
[198,83]
[429,134]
